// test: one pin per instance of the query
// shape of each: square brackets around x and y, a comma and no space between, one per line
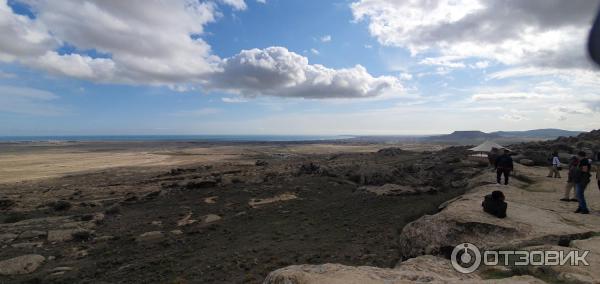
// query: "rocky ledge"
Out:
[536,220]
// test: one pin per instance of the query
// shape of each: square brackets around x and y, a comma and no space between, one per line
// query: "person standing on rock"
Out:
[504,165]
[555,167]
[573,163]
[492,156]
[582,179]
[598,173]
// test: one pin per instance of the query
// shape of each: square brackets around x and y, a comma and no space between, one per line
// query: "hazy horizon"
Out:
[263,137]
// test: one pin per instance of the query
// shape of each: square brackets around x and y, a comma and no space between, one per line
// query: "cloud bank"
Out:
[547,33]
[160,43]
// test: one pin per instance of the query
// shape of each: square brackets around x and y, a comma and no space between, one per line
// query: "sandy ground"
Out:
[55,160]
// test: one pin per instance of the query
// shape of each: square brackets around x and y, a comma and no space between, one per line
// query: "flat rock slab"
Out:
[31,234]
[464,221]
[63,235]
[154,236]
[211,199]
[21,264]
[573,273]
[286,196]
[7,238]
[211,218]
[425,269]
[186,220]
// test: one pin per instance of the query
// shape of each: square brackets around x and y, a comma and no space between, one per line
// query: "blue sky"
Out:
[294,67]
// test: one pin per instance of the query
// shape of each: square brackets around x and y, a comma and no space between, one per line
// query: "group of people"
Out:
[580,169]
[579,176]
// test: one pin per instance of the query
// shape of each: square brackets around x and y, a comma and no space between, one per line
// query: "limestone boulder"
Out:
[210,218]
[423,269]
[7,238]
[463,220]
[21,264]
[150,237]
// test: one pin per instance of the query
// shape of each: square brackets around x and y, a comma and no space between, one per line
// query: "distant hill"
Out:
[503,137]
[470,137]
[548,133]
[538,151]
[459,136]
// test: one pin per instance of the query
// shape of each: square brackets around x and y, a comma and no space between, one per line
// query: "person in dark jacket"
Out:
[494,204]
[582,179]
[504,165]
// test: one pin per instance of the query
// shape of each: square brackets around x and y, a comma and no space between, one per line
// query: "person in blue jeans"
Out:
[582,179]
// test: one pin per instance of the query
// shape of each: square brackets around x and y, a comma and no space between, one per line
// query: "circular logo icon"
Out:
[466,258]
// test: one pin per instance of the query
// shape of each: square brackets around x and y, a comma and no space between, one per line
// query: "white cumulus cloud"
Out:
[276,71]
[161,43]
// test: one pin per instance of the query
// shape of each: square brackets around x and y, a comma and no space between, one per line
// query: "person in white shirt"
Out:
[555,169]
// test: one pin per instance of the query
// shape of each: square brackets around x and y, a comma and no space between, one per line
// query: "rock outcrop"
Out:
[572,273]
[151,237]
[536,219]
[539,151]
[21,264]
[429,269]
[463,221]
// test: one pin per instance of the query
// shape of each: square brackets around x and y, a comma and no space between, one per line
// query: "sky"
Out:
[302,67]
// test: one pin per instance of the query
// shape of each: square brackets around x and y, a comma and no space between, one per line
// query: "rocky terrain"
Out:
[382,216]
[228,222]
[536,220]
[538,152]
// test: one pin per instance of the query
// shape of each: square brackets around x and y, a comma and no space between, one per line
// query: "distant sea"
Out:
[200,138]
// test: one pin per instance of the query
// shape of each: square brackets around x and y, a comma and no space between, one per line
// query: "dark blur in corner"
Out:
[594,40]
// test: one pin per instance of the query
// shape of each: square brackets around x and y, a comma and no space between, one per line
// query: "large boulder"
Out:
[464,221]
[21,264]
[428,269]
[151,237]
[210,218]
[422,269]
[571,273]
[7,238]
